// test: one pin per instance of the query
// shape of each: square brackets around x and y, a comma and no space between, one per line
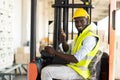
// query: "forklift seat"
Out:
[95,66]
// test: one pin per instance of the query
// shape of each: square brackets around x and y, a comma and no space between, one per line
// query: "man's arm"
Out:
[88,44]
[67,57]
[63,40]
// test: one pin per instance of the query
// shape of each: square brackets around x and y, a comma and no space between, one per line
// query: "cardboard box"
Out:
[24,50]
[22,58]
[22,55]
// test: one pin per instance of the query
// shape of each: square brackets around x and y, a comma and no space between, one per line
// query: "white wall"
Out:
[117,55]
[42,19]
[22,17]
[26,19]
[41,22]
[118,22]
[103,25]
[17,23]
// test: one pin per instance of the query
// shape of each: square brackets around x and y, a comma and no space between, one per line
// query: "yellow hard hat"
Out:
[80,12]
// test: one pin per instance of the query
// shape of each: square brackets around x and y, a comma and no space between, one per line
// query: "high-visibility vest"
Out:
[82,66]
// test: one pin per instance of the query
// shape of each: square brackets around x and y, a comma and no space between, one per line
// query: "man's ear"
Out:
[88,20]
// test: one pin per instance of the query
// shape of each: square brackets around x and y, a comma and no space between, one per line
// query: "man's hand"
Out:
[63,36]
[50,50]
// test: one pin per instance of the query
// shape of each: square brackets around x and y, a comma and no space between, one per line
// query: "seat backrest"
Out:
[104,66]
[95,65]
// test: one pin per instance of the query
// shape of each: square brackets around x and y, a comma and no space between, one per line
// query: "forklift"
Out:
[61,7]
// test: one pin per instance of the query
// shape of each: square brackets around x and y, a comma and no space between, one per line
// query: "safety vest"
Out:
[82,66]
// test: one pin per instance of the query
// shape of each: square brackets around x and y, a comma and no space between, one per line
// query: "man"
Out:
[83,49]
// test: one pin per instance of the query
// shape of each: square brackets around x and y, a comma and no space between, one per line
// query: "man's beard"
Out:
[80,29]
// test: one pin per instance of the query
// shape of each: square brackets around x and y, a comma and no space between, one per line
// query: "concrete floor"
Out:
[18,77]
[23,77]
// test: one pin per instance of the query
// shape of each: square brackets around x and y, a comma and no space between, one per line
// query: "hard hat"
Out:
[80,12]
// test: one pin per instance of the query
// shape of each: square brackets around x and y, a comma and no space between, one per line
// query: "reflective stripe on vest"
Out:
[82,66]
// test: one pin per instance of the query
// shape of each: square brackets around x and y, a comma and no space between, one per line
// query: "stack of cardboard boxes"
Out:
[22,55]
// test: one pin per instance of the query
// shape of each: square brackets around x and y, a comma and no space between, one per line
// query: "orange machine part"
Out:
[32,71]
[111,56]
[112,41]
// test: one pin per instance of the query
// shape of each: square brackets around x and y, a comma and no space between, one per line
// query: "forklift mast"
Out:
[33,31]
[61,7]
